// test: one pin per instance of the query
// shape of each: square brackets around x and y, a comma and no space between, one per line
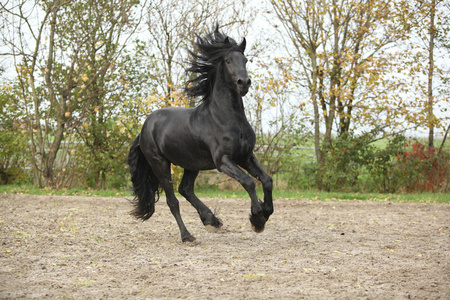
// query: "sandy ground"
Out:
[91,248]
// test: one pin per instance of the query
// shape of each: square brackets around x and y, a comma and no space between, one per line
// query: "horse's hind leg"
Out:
[186,189]
[162,171]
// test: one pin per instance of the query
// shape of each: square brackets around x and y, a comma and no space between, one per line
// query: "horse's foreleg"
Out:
[186,189]
[253,167]
[229,167]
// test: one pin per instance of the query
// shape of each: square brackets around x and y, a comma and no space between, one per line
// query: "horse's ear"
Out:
[243,44]
[226,41]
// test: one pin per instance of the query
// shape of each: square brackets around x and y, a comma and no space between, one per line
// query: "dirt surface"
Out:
[90,248]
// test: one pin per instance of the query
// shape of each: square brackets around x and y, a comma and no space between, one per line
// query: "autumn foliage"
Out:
[423,169]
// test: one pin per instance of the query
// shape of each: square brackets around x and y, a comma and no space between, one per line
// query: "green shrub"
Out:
[345,160]
[355,164]
[13,139]
[384,175]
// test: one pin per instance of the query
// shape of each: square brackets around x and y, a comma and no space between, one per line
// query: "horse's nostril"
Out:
[242,82]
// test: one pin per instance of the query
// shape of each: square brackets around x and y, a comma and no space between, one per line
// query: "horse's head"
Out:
[217,52]
[235,66]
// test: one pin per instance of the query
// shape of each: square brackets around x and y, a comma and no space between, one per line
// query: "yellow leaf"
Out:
[255,275]
[67,114]
[307,270]
[85,77]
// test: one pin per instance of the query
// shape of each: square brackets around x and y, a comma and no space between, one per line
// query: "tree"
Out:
[26,49]
[63,64]
[102,32]
[430,27]
[340,50]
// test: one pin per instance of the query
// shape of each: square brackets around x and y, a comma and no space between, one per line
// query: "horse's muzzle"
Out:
[243,85]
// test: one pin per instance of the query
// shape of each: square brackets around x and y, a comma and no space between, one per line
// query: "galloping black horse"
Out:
[214,135]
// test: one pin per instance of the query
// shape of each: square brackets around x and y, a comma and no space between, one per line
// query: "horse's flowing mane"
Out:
[211,47]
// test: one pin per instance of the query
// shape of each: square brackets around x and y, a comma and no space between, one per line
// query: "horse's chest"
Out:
[240,142]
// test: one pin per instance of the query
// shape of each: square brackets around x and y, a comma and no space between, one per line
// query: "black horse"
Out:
[213,135]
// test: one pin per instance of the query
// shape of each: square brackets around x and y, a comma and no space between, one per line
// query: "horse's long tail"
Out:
[145,183]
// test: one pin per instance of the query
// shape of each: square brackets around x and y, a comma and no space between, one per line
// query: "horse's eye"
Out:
[228,60]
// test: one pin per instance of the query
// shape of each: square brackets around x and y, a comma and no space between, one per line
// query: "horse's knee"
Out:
[249,184]
[267,182]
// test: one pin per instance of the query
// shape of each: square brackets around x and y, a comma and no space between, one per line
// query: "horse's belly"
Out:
[189,156]
[193,163]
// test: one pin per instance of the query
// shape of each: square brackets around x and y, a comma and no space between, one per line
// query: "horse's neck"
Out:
[226,104]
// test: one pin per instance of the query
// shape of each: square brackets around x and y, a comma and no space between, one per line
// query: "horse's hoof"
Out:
[258,229]
[258,223]
[188,239]
[211,220]
[216,222]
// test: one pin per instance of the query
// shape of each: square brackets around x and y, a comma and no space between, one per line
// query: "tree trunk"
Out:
[315,76]
[443,140]
[50,157]
[430,114]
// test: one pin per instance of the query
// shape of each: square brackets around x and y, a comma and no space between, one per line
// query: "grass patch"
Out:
[214,192]
[34,190]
